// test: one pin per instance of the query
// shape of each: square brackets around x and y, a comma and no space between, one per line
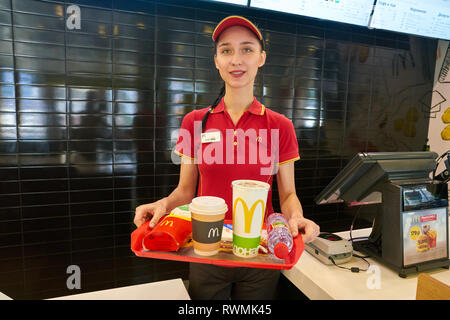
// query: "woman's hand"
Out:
[308,228]
[153,211]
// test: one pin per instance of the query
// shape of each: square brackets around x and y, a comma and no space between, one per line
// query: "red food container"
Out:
[168,235]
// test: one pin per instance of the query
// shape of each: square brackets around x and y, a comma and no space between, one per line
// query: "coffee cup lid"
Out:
[208,205]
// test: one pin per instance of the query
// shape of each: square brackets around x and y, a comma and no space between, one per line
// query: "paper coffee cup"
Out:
[207,216]
[249,207]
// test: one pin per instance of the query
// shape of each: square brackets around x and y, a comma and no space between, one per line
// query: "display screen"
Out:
[429,18]
[357,181]
[426,196]
[348,11]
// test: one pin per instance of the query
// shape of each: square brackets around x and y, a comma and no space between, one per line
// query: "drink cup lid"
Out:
[208,205]
[255,184]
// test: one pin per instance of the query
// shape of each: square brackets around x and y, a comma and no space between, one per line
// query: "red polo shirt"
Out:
[253,149]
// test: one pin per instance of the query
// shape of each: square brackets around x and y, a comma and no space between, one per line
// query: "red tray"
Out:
[225,257]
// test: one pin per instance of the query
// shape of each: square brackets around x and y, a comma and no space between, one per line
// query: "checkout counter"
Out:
[410,233]
[173,289]
[319,281]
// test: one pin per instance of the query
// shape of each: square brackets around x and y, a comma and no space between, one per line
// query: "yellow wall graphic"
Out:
[445,134]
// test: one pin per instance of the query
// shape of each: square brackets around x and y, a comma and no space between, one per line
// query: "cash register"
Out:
[410,229]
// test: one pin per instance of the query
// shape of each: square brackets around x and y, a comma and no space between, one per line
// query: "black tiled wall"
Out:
[86,118]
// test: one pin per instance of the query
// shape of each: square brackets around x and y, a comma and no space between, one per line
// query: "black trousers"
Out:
[221,283]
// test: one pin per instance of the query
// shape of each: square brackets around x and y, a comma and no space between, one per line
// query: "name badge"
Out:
[210,137]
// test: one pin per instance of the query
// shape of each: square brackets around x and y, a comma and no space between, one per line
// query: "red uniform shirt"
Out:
[252,149]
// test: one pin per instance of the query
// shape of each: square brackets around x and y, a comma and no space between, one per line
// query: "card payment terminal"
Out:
[328,245]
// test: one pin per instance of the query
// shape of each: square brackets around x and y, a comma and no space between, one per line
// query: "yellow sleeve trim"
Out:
[290,160]
[182,155]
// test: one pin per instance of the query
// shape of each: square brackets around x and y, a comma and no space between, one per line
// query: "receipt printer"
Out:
[329,245]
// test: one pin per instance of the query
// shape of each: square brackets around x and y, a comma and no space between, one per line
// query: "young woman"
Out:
[243,127]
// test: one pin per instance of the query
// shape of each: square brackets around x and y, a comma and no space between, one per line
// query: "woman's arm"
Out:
[185,191]
[290,204]
[182,194]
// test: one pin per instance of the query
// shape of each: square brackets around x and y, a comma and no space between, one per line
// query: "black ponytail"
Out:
[216,102]
[221,95]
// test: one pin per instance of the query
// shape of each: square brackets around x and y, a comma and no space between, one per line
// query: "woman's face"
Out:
[238,57]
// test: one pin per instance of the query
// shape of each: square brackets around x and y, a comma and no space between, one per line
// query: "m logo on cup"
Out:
[248,214]
[213,232]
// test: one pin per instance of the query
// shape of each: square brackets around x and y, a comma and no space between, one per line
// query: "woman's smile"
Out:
[237,73]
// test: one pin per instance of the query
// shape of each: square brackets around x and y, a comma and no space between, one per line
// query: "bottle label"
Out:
[275,225]
[278,224]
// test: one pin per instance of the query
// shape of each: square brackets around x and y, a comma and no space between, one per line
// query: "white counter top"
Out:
[4,297]
[319,281]
[162,290]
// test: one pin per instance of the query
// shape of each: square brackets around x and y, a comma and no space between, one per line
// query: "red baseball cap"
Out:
[235,21]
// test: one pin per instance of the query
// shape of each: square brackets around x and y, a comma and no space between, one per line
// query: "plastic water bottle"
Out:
[279,238]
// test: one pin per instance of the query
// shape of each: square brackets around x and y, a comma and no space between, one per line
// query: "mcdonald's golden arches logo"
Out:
[248,213]
[168,223]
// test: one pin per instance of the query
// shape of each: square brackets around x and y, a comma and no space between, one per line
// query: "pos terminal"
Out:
[410,230]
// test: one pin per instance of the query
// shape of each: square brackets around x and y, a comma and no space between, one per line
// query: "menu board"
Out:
[348,11]
[429,18]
